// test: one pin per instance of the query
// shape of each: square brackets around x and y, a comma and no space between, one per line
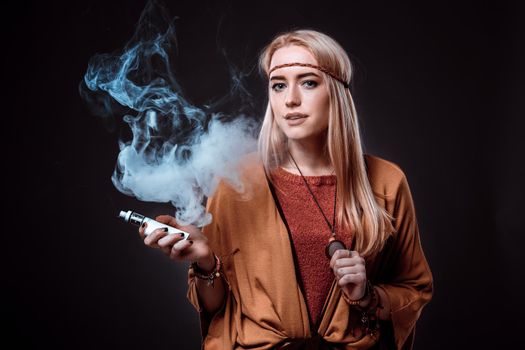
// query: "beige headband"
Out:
[324,70]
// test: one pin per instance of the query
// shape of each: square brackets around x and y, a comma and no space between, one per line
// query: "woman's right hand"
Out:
[194,249]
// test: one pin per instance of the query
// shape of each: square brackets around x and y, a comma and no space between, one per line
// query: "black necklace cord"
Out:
[333,243]
[331,226]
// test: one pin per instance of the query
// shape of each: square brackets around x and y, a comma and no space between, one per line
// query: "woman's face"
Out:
[298,95]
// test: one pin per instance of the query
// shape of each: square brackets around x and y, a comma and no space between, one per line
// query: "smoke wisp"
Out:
[177,151]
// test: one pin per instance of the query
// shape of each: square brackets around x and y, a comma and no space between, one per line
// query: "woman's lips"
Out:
[295,121]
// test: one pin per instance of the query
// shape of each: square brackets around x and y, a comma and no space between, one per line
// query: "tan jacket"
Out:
[265,307]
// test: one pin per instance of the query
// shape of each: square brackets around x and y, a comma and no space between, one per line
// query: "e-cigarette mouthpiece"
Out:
[151,225]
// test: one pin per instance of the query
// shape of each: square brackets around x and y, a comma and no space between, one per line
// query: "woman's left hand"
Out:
[349,269]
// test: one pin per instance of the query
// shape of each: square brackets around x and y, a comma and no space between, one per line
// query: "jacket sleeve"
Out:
[193,296]
[211,231]
[408,284]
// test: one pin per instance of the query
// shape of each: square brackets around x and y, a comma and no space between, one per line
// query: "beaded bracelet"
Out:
[368,291]
[208,277]
[370,314]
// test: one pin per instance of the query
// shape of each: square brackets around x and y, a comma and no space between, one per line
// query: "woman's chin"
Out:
[304,135]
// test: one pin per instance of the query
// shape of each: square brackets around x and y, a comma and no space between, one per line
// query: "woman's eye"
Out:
[277,86]
[310,83]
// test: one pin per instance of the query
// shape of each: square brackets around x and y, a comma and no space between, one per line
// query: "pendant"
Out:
[332,246]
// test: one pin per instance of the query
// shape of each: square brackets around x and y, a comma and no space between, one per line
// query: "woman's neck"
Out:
[311,158]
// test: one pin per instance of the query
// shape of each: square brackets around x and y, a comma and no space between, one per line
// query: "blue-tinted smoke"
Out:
[178,150]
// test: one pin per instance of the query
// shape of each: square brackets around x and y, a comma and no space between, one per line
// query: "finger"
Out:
[354,278]
[339,254]
[171,221]
[353,261]
[166,250]
[342,271]
[152,238]
[170,239]
[353,253]
[344,262]
[180,249]
[168,220]
[142,229]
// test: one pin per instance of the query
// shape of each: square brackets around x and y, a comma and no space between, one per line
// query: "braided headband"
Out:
[324,70]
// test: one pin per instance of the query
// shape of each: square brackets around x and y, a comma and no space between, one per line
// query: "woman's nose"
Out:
[293,97]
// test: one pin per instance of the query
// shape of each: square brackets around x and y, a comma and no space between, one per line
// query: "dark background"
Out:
[439,91]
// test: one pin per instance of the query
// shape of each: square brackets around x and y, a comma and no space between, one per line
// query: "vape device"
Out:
[138,219]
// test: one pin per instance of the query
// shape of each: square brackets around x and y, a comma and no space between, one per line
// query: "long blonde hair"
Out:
[359,212]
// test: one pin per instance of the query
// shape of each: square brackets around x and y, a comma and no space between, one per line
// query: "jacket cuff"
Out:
[405,308]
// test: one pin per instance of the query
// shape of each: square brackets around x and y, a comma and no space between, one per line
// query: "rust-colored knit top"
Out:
[309,231]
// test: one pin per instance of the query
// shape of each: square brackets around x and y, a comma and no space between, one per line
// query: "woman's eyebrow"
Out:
[299,76]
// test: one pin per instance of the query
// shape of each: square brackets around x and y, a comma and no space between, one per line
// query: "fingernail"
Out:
[191,242]
[165,229]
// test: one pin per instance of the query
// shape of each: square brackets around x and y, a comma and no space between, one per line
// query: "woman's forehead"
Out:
[296,72]
[289,54]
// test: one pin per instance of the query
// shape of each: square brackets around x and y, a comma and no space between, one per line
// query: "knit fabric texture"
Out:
[309,231]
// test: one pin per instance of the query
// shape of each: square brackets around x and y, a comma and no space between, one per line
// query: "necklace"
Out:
[333,243]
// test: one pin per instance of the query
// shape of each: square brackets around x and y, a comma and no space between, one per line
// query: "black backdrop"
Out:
[439,91]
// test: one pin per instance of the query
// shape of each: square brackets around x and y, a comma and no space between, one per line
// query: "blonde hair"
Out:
[359,212]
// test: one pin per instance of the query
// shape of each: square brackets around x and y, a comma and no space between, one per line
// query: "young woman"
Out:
[321,249]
